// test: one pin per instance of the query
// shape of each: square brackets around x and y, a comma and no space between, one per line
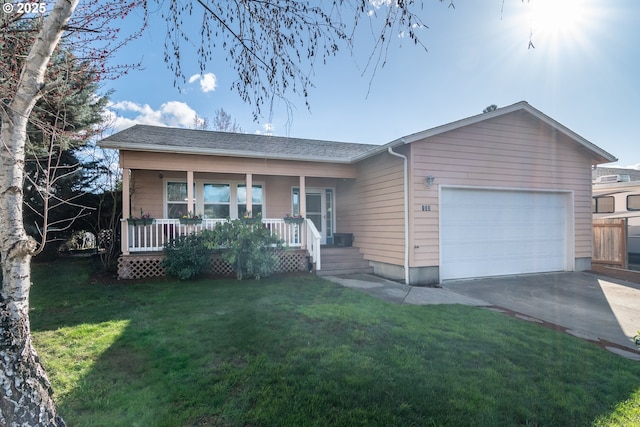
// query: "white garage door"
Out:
[488,232]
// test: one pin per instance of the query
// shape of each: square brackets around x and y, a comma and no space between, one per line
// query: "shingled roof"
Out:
[189,141]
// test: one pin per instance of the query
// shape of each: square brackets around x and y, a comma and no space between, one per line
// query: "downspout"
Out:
[406,213]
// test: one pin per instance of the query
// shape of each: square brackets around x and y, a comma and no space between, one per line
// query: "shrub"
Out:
[187,257]
[247,247]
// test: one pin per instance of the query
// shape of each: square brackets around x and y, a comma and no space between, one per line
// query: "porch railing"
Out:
[312,240]
[153,237]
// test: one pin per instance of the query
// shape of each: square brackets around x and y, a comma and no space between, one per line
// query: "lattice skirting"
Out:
[139,266]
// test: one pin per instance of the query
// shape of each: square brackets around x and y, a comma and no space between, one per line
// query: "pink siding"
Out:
[278,194]
[372,208]
[514,150]
[146,193]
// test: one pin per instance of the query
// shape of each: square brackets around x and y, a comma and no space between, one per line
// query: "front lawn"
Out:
[302,351]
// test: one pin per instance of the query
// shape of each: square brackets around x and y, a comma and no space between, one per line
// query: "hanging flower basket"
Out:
[190,221]
[141,221]
[293,220]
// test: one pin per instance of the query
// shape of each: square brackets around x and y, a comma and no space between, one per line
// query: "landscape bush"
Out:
[186,257]
[247,247]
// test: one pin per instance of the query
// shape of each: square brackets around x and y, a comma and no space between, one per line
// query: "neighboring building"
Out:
[504,192]
[617,196]
[598,173]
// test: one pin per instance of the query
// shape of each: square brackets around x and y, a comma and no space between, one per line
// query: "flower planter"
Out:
[190,221]
[294,220]
[141,221]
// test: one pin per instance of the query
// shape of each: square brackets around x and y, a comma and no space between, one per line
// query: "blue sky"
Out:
[584,72]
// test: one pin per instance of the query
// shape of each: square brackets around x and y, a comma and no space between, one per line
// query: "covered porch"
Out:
[169,187]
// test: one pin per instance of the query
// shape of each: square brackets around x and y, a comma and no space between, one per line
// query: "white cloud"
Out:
[128,105]
[379,3]
[177,113]
[124,114]
[267,129]
[207,81]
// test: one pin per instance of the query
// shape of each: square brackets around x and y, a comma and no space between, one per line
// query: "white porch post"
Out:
[126,212]
[190,207]
[249,182]
[303,195]
[303,209]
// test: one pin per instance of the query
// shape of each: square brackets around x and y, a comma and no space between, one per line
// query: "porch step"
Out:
[342,260]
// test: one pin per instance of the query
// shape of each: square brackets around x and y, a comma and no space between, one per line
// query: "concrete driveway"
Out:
[586,305]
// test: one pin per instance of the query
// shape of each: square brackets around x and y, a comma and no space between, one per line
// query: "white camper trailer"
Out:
[616,196]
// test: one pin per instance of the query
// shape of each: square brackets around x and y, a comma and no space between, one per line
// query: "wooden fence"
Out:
[610,242]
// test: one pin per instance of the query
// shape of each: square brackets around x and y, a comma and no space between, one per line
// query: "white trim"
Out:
[292,211]
[323,210]
[322,190]
[333,212]
[570,216]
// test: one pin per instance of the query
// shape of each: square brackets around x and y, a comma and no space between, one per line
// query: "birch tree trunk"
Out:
[26,397]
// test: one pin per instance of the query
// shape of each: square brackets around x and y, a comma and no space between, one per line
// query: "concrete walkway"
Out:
[399,293]
[600,309]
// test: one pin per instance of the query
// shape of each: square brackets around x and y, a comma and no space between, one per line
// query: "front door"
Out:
[317,212]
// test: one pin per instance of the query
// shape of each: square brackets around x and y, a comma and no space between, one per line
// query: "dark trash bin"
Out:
[343,239]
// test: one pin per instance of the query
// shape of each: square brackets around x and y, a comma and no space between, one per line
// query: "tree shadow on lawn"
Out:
[305,351]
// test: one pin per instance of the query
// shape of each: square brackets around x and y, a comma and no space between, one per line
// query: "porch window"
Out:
[256,199]
[295,199]
[217,200]
[177,199]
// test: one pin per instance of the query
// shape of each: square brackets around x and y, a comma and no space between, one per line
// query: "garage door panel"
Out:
[496,265]
[507,251]
[496,232]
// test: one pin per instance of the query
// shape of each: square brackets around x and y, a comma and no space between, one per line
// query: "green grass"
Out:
[302,351]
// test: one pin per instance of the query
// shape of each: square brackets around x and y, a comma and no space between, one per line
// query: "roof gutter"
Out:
[406,212]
